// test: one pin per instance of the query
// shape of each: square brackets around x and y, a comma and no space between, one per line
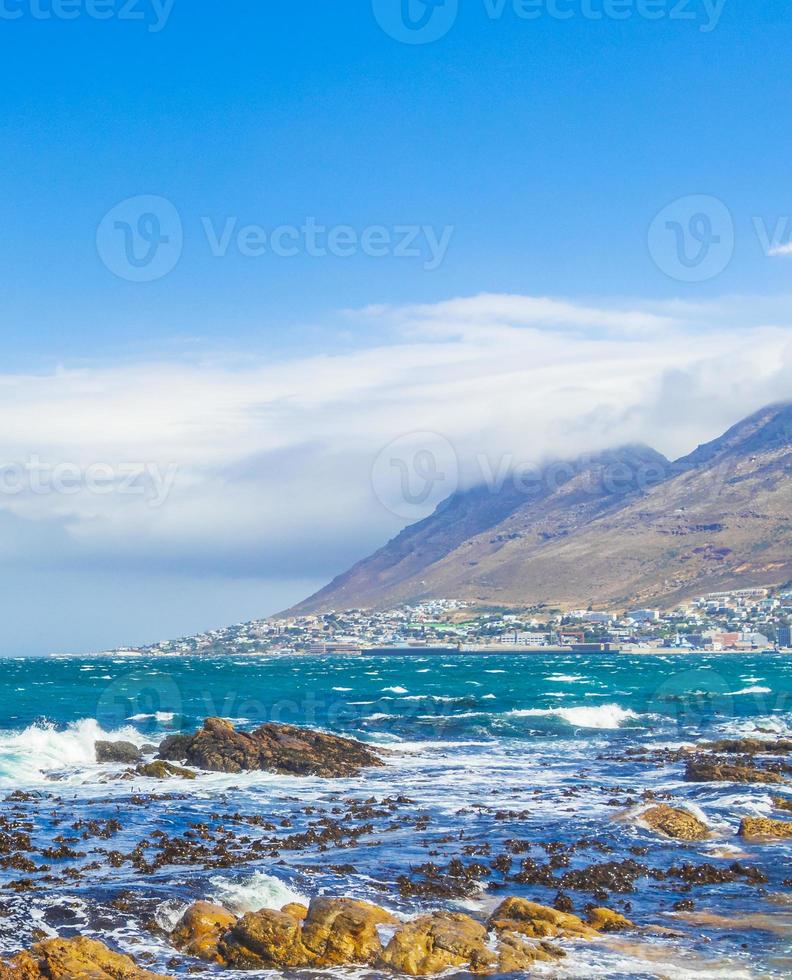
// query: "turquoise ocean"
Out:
[527,767]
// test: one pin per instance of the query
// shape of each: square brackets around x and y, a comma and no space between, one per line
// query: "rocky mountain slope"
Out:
[623,528]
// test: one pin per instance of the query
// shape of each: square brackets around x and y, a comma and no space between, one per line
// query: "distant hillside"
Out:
[626,527]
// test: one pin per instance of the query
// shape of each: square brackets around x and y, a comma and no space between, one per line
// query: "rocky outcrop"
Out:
[538,921]
[117,752]
[265,940]
[751,746]
[758,828]
[200,928]
[285,749]
[346,932]
[341,930]
[675,822]
[331,932]
[70,959]
[713,769]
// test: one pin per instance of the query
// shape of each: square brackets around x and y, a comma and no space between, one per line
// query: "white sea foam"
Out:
[602,716]
[40,749]
[157,716]
[249,894]
[565,678]
[395,690]
[343,689]
[750,690]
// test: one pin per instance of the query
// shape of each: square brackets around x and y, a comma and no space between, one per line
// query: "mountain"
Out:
[623,528]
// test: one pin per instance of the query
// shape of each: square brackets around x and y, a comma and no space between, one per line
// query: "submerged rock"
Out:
[70,959]
[117,752]
[286,749]
[756,828]
[200,928]
[675,822]
[163,770]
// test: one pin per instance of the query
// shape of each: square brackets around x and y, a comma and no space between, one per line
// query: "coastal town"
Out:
[745,620]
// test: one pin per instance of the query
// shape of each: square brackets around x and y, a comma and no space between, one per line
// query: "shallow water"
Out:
[483,749]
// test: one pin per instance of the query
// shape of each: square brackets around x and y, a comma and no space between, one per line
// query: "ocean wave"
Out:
[749,690]
[29,755]
[602,716]
[258,891]
[157,716]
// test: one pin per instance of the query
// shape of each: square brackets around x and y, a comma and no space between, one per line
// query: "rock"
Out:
[200,928]
[782,802]
[437,942]
[515,954]
[296,910]
[285,749]
[751,746]
[74,959]
[711,769]
[606,920]
[675,822]
[538,921]
[163,770]
[756,828]
[265,940]
[117,752]
[342,930]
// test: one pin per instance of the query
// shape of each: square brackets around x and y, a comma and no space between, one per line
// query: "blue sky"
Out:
[543,149]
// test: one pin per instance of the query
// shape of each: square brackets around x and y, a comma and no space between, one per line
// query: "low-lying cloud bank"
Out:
[265,470]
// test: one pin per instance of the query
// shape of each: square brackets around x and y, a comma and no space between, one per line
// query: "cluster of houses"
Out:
[741,620]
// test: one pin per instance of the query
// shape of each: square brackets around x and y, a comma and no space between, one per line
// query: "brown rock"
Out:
[199,930]
[342,930]
[74,959]
[163,770]
[218,747]
[711,769]
[751,746]
[265,940]
[117,752]
[782,802]
[515,954]
[606,920]
[538,921]
[296,910]
[675,822]
[434,943]
[756,828]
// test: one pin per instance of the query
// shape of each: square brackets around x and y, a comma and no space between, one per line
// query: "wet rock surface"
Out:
[117,752]
[74,959]
[675,822]
[285,749]
[757,828]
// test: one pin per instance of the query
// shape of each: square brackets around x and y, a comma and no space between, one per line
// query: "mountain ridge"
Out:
[625,526]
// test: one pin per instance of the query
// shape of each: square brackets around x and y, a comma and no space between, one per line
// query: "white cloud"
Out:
[274,459]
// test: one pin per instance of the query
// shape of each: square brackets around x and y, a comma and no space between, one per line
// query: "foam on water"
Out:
[254,892]
[28,756]
[602,716]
